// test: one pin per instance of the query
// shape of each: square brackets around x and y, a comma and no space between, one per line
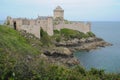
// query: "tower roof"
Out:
[58,8]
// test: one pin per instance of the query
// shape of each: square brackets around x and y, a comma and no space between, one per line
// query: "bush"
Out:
[96,72]
[56,32]
[90,34]
[68,33]
[45,38]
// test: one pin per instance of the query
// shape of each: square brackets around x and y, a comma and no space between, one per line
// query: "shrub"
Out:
[56,32]
[90,34]
[96,72]
[45,38]
[68,33]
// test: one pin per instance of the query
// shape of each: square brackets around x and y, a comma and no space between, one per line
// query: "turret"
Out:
[58,13]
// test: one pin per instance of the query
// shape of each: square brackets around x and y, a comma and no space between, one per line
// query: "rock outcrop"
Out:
[61,55]
[83,44]
[62,52]
[58,51]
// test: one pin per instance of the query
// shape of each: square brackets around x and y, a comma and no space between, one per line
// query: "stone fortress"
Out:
[47,23]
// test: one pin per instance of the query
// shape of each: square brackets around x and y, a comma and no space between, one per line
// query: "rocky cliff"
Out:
[83,44]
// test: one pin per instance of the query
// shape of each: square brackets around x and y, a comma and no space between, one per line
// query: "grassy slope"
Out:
[12,42]
[16,55]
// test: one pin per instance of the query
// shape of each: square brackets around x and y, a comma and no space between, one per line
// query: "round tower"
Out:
[58,13]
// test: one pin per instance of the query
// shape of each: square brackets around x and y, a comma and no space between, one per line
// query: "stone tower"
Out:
[58,13]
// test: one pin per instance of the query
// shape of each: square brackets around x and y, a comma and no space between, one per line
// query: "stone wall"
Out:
[33,29]
[32,25]
[28,25]
[58,14]
[46,23]
[50,26]
[79,26]
[18,23]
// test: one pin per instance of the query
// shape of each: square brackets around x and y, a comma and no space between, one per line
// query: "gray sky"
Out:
[82,10]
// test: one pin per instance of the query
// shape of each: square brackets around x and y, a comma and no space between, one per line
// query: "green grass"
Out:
[75,34]
[14,43]
[71,34]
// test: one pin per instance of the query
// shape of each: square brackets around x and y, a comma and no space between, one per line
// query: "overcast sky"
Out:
[82,10]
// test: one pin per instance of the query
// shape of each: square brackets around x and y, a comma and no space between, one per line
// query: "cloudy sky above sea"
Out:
[81,10]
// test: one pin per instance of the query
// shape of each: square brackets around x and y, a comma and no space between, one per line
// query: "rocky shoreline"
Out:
[83,44]
[63,52]
[60,56]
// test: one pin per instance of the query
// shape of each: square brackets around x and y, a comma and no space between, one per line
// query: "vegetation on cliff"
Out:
[68,34]
[45,38]
[20,59]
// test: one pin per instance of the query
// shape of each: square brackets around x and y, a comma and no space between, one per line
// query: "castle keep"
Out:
[47,23]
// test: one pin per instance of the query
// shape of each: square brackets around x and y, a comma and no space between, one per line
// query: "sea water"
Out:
[1,22]
[107,58]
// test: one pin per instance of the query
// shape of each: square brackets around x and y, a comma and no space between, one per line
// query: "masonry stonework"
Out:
[82,27]
[33,26]
[58,12]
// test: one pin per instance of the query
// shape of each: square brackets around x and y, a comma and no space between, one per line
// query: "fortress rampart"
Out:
[82,27]
[33,26]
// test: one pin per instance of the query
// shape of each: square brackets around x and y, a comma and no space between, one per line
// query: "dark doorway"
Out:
[14,25]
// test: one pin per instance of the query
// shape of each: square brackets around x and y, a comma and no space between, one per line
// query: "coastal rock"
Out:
[84,44]
[68,43]
[70,61]
[60,51]
[61,55]
[66,51]
[89,46]
[73,61]
[43,56]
